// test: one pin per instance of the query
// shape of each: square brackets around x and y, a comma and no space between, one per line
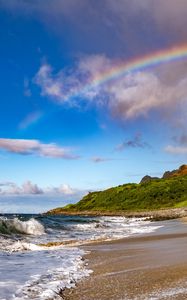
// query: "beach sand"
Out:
[153,266]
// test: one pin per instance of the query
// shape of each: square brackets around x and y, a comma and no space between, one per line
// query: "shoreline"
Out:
[161,214]
[139,267]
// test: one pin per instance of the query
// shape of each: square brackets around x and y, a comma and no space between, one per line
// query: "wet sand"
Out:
[153,266]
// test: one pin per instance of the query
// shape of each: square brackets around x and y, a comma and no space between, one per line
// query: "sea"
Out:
[40,255]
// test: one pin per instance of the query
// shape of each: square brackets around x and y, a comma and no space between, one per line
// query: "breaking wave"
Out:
[16,226]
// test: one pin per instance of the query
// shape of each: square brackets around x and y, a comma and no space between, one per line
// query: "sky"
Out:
[70,122]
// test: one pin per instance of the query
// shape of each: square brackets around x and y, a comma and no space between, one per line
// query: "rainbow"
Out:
[136,64]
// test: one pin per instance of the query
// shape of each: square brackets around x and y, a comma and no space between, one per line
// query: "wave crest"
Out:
[13,226]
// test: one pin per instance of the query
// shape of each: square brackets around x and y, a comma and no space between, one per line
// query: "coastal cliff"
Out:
[168,194]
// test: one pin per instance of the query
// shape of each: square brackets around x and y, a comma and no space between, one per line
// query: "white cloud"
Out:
[132,95]
[64,189]
[176,149]
[29,188]
[50,86]
[79,81]
[35,147]
[140,93]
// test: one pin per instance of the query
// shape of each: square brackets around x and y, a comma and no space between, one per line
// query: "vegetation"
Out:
[152,195]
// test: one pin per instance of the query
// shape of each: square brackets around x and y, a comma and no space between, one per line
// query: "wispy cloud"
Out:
[71,84]
[35,147]
[176,149]
[136,142]
[51,86]
[98,159]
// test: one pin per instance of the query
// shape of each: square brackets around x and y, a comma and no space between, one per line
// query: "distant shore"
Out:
[162,214]
[152,266]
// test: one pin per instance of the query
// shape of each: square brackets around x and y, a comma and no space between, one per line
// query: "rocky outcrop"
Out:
[179,172]
[148,178]
[182,170]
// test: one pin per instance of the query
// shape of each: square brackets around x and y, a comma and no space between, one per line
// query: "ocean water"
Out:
[40,255]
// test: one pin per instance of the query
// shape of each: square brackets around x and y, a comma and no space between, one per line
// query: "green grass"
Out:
[153,195]
[181,204]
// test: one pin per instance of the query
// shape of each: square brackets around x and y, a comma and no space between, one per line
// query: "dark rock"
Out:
[148,178]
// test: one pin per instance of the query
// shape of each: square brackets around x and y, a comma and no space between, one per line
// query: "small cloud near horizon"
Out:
[29,188]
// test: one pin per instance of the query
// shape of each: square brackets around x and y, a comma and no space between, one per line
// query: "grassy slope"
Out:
[157,194]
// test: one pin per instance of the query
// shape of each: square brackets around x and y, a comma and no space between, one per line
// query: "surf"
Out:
[16,226]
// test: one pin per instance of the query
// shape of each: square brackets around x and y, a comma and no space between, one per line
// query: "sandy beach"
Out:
[151,266]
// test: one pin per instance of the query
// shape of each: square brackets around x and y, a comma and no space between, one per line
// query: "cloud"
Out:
[29,188]
[180,146]
[35,147]
[13,189]
[107,23]
[138,94]
[98,159]
[6,183]
[136,142]
[131,96]
[176,149]
[60,86]
[74,82]
[64,189]
[50,86]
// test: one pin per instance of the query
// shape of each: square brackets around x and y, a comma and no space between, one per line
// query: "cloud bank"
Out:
[109,22]
[29,188]
[35,147]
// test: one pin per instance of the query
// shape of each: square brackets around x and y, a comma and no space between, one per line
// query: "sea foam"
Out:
[12,226]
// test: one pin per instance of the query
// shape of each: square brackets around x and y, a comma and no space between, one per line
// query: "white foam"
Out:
[22,246]
[47,285]
[31,226]
[112,228]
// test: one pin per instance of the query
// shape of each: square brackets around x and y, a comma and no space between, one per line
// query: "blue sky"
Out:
[54,147]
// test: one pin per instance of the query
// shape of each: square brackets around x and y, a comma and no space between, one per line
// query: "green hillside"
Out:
[148,195]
